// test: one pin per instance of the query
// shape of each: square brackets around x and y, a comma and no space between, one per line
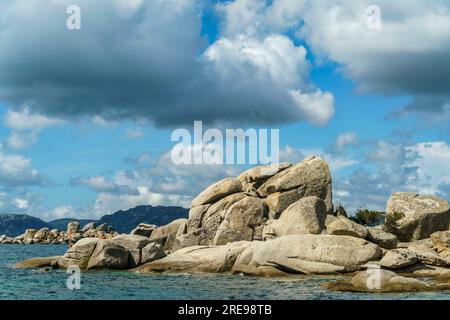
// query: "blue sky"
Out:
[87,115]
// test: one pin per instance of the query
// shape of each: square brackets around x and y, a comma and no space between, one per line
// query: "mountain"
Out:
[125,221]
[122,221]
[61,224]
[15,224]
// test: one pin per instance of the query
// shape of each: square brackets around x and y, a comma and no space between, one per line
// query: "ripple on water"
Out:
[26,284]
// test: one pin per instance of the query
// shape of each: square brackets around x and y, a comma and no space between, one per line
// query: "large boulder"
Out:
[89,226]
[41,234]
[217,191]
[198,259]
[134,244]
[166,234]
[427,255]
[412,216]
[383,239]
[213,217]
[79,253]
[346,227]
[378,280]
[306,216]
[38,262]
[109,254]
[73,227]
[398,258]
[152,252]
[240,221]
[311,177]
[279,201]
[441,240]
[339,251]
[131,241]
[144,230]
[257,175]
[29,234]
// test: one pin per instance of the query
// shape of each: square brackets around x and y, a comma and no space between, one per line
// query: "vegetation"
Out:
[368,217]
[392,219]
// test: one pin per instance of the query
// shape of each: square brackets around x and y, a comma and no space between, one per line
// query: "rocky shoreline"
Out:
[277,221]
[55,236]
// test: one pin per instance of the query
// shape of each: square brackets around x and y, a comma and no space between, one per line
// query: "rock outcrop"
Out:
[239,209]
[71,235]
[398,258]
[272,221]
[305,216]
[413,217]
[346,227]
[382,281]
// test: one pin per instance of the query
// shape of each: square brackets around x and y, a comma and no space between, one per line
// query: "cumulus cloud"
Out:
[147,59]
[389,167]
[409,55]
[344,140]
[101,184]
[134,133]
[16,170]
[26,127]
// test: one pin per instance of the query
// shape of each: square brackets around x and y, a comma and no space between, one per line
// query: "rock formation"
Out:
[273,221]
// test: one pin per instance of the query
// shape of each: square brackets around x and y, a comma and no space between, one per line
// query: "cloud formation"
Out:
[147,59]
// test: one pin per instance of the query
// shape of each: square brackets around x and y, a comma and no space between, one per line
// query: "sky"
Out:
[86,115]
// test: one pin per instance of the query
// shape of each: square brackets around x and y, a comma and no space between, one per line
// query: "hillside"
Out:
[15,224]
[122,221]
[125,221]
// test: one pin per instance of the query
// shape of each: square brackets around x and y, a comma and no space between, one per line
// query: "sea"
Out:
[25,284]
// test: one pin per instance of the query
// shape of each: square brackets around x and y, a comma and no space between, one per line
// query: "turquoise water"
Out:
[28,284]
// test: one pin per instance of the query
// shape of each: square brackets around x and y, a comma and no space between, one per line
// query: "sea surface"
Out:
[122,285]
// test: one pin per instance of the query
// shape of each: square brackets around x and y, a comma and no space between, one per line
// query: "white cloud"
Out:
[344,140]
[26,127]
[21,203]
[134,133]
[156,46]
[101,184]
[276,65]
[16,170]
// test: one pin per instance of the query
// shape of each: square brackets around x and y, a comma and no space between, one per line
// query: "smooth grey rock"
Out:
[240,221]
[344,251]
[152,252]
[79,253]
[311,177]
[73,227]
[217,191]
[346,227]
[422,215]
[383,239]
[109,254]
[306,216]
[398,258]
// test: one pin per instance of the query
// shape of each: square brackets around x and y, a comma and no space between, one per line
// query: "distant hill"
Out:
[125,221]
[61,224]
[122,221]
[15,224]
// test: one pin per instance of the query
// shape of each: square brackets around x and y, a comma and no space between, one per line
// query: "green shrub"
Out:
[369,217]
[392,219]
